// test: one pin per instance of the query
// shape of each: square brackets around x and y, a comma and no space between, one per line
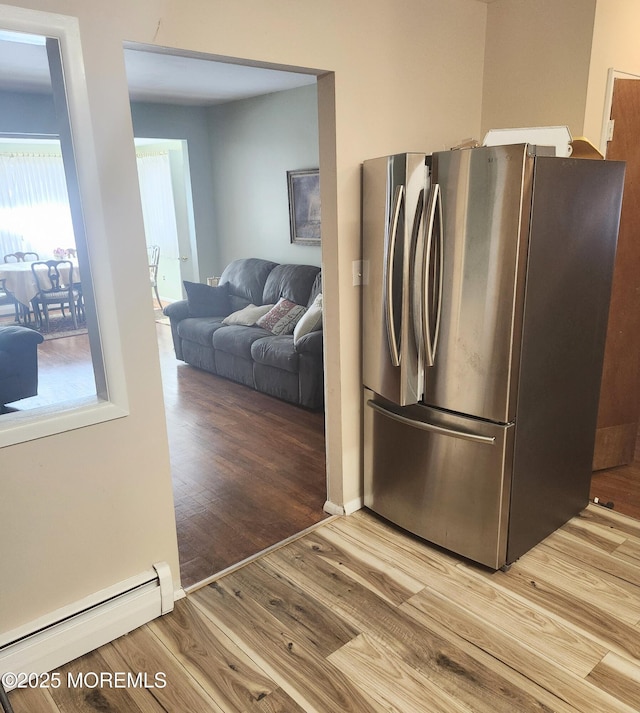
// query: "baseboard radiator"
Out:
[73,631]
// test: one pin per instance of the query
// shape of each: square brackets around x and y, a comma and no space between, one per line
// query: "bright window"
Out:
[34,204]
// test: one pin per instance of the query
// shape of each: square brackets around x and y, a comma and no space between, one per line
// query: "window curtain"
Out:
[156,196]
[34,205]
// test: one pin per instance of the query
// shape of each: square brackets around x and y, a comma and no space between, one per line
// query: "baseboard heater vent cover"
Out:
[73,631]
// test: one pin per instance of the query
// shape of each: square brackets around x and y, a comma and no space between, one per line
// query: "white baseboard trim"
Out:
[92,622]
[332,508]
[353,505]
[346,509]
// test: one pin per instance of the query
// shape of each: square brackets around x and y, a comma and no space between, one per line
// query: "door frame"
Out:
[612,75]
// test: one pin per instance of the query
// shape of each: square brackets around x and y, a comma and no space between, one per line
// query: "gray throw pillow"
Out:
[207,301]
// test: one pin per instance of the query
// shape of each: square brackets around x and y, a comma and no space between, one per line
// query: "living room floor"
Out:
[248,470]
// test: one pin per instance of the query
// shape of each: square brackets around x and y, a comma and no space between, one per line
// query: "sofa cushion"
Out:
[276,382]
[310,321]
[293,282]
[282,317]
[199,329]
[206,301]
[246,280]
[237,340]
[247,316]
[316,289]
[199,356]
[311,343]
[234,368]
[276,351]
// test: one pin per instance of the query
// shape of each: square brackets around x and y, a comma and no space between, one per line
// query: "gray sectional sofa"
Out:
[282,365]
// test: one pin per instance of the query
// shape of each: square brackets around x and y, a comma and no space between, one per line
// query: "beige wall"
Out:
[536,63]
[547,61]
[615,45]
[393,81]
[407,77]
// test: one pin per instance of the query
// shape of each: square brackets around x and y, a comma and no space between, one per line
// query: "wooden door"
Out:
[619,409]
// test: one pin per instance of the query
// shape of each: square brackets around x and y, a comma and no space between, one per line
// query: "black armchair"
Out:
[18,364]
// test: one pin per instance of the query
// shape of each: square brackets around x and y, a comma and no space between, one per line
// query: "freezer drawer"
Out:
[442,476]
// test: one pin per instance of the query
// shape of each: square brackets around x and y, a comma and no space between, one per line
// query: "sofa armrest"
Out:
[177,311]
[310,343]
[15,338]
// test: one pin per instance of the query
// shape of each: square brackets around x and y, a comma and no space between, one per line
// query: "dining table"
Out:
[20,281]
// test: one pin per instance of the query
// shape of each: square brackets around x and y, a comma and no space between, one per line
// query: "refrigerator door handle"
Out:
[417,277]
[442,430]
[437,293]
[432,277]
[392,337]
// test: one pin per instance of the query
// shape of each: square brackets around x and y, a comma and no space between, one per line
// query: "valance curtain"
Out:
[34,204]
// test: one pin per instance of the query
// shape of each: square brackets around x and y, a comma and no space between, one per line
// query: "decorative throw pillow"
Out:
[282,318]
[310,320]
[247,316]
[207,301]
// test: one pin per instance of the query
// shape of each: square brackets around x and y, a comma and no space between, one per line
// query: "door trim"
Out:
[612,75]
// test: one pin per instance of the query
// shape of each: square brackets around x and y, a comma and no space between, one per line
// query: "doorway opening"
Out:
[248,469]
[167,211]
[616,480]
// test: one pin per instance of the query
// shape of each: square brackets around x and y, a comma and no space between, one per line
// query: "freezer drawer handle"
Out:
[475,437]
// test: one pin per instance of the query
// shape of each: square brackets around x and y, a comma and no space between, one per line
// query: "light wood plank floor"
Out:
[358,616]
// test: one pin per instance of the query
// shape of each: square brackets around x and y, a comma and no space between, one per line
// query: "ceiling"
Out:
[195,80]
[152,76]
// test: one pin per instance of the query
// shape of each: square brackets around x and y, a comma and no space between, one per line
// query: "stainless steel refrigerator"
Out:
[487,286]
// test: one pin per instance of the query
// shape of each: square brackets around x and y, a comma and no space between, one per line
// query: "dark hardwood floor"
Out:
[620,486]
[248,470]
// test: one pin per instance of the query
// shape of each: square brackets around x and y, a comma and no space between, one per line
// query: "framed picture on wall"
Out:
[304,206]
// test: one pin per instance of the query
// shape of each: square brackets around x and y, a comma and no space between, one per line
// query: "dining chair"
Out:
[23,313]
[21,257]
[6,298]
[153,255]
[54,281]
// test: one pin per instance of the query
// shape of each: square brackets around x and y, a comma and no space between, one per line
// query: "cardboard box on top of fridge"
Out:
[583,148]
[558,137]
